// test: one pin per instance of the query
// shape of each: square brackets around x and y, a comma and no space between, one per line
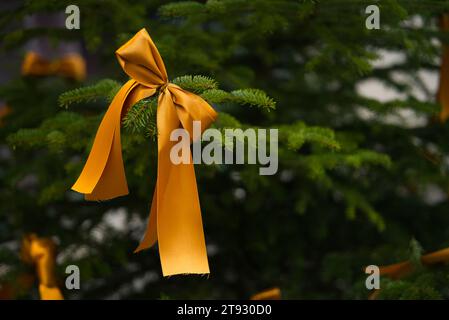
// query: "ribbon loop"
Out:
[141,60]
[175,224]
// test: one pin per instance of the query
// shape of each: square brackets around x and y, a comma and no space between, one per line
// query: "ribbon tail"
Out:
[443,91]
[397,271]
[182,247]
[436,257]
[41,253]
[401,269]
[103,176]
[50,293]
[270,294]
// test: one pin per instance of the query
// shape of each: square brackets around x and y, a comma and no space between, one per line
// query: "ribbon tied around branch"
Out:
[175,216]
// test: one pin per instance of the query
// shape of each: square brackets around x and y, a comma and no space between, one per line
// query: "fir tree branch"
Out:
[253,97]
[215,96]
[356,201]
[106,88]
[299,133]
[196,83]
[141,118]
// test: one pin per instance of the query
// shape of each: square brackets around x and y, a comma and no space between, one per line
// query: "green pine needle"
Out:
[195,84]
[253,97]
[105,89]
[141,117]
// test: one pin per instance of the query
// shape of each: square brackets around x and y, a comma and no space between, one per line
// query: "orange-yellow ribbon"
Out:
[4,111]
[401,269]
[443,90]
[269,294]
[40,252]
[70,66]
[175,217]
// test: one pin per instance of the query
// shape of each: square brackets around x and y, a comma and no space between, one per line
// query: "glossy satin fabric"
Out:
[40,252]
[175,217]
[70,66]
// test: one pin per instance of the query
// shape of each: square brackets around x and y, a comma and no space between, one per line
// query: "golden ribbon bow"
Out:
[175,217]
[70,66]
[443,90]
[40,252]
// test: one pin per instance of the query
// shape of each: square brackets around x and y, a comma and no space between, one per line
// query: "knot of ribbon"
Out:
[70,66]
[175,223]
[40,252]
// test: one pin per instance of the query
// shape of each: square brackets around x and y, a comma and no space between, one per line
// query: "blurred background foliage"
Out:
[359,176]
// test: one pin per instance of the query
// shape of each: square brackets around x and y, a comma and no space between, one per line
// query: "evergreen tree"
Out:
[356,181]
